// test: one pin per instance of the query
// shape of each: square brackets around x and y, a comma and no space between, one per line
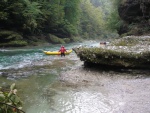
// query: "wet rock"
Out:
[128,52]
[4,74]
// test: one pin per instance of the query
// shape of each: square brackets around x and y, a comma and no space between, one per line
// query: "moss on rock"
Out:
[55,40]
[118,57]
[113,58]
[11,39]
[16,43]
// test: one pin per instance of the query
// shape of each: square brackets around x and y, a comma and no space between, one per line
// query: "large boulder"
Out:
[128,52]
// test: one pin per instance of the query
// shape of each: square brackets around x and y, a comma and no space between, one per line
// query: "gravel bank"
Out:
[129,88]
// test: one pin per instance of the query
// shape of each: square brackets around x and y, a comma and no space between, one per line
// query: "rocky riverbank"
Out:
[124,91]
[127,52]
[120,90]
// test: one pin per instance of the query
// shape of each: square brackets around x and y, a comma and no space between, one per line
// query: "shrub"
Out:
[9,100]
[54,39]
[6,36]
[16,43]
[67,40]
[76,39]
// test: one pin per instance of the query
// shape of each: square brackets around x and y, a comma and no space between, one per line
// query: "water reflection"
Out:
[64,99]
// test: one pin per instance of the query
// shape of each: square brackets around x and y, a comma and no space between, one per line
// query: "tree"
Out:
[91,19]
[113,20]
[32,15]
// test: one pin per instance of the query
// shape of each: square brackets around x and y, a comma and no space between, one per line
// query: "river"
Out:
[51,84]
[33,72]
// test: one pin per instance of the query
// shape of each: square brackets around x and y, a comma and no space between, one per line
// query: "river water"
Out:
[37,77]
[34,72]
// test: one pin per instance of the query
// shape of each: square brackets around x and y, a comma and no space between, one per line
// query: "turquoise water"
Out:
[18,58]
[43,70]
[38,85]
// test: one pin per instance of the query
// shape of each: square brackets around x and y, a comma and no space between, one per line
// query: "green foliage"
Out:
[91,22]
[58,22]
[76,39]
[9,100]
[53,13]
[113,20]
[62,18]
[16,43]
[54,39]
[11,11]
[85,35]
[72,11]
[6,36]
[67,40]
[11,38]
[32,14]
[3,16]
[69,28]
[36,16]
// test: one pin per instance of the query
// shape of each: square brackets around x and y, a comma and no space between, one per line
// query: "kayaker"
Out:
[62,50]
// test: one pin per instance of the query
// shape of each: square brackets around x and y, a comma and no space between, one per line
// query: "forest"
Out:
[25,22]
[107,62]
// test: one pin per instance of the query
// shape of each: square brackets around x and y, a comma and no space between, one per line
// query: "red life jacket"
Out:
[62,50]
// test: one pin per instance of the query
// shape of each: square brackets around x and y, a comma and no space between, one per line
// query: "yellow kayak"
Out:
[56,52]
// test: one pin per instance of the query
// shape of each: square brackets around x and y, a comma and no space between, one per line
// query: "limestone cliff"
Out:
[136,17]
